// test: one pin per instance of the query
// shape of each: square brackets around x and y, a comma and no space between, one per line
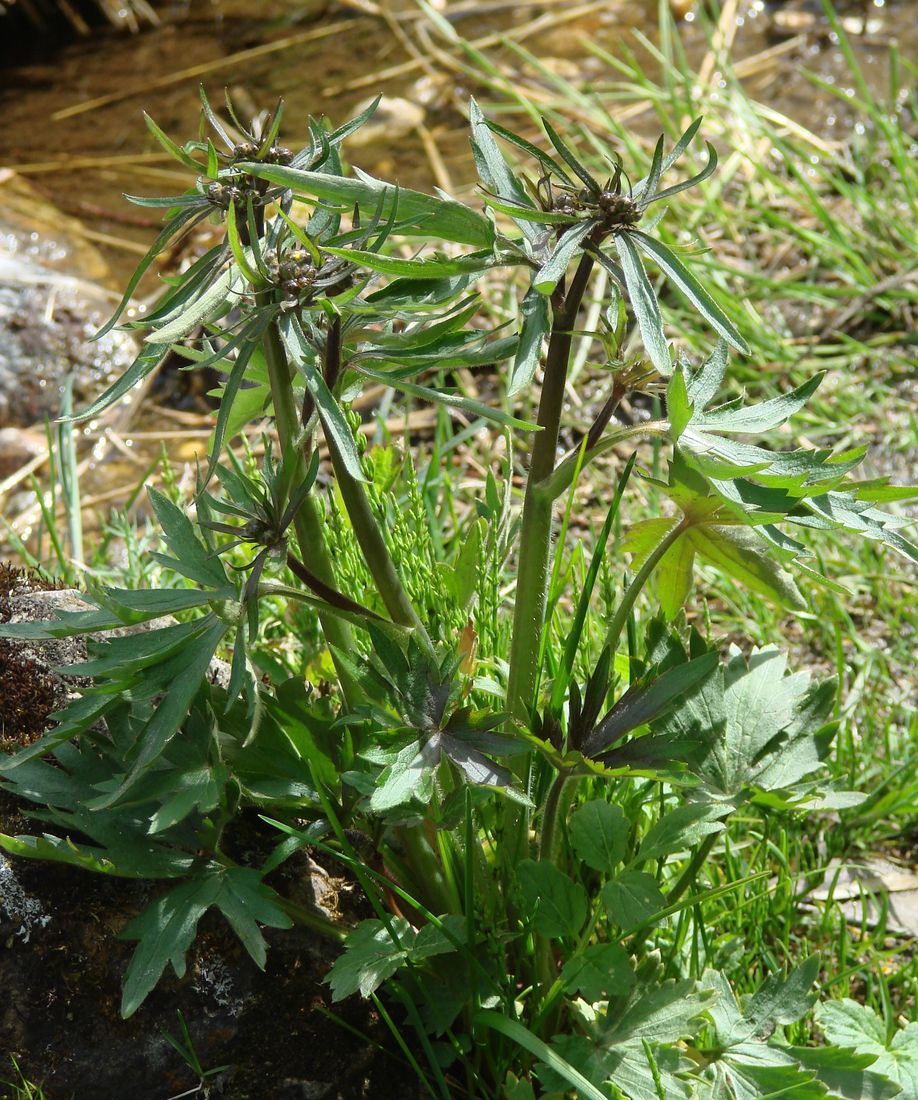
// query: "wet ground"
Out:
[72,111]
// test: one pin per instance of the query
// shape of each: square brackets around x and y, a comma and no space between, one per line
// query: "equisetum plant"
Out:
[525,757]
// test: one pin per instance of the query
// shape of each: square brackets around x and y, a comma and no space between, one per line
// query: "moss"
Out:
[29,692]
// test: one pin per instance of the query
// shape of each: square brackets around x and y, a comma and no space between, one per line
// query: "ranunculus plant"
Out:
[541,799]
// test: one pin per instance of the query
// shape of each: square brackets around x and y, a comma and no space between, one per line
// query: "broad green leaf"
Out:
[599,833]
[645,702]
[370,956]
[166,930]
[846,1074]
[644,303]
[556,904]
[850,1024]
[678,829]
[742,555]
[663,1013]
[246,902]
[632,899]
[602,970]
[186,673]
[197,790]
[425,215]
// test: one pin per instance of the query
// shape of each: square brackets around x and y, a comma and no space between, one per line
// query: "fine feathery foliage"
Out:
[543,815]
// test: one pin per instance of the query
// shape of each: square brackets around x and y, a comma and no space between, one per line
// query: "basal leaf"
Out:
[599,833]
[556,904]
[632,899]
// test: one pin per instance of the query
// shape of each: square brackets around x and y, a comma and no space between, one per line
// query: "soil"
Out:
[61,968]
[274,1033]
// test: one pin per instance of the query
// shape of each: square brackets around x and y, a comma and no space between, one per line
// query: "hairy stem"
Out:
[535,534]
[534,552]
[306,522]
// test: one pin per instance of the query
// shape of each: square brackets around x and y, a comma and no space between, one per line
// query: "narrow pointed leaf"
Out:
[644,304]
[684,281]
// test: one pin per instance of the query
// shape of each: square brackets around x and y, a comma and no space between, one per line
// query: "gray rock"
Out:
[53,298]
[43,660]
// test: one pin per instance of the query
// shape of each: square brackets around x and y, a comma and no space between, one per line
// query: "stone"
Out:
[32,685]
[53,298]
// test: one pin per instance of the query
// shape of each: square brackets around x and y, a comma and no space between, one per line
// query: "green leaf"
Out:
[845,1073]
[462,577]
[849,1024]
[450,400]
[677,404]
[525,1038]
[644,304]
[686,283]
[599,833]
[424,215]
[536,322]
[553,269]
[762,417]
[570,159]
[423,267]
[645,702]
[194,790]
[148,359]
[193,558]
[742,555]
[185,673]
[165,930]
[680,828]
[246,902]
[602,970]
[338,432]
[494,170]
[632,899]
[58,851]
[557,905]
[370,956]
[218,295]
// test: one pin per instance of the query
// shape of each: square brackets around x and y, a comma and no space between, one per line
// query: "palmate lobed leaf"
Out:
[166,929]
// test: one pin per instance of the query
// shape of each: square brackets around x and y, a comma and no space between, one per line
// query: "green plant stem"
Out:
[428,880]
[535,544]
[535,533]
[306,522]
[367,530]
[620,618]
[553,816]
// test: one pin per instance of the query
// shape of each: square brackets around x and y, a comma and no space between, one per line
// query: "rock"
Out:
[52,300]
[31,687]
